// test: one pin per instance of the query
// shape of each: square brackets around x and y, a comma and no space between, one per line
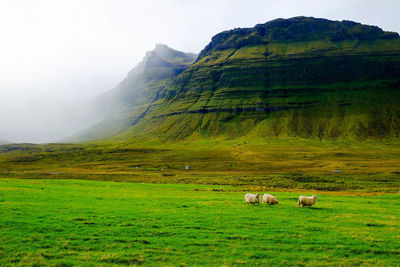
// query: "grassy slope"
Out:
[320,96]
[131,98]
[247,84]
[66,223]
[301,77]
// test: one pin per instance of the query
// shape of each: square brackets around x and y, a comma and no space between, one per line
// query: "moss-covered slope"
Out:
[306,77]
[126,104]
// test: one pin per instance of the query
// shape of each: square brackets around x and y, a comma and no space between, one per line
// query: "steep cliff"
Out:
[306,77]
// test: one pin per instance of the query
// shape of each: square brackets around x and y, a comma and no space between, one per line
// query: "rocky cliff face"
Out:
[307,77]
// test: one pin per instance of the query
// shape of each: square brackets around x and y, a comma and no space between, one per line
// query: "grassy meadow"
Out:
[372,166]
[130,203]
[100,223]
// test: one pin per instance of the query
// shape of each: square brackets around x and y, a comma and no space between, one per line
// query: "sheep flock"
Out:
[304,201]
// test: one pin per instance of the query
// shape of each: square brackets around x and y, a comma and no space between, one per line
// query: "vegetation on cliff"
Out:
[126,104]
[304,77]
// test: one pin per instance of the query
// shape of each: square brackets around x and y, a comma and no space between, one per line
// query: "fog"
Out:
[56,54]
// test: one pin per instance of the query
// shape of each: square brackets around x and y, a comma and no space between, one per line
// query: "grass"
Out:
[95,223]
[267,163]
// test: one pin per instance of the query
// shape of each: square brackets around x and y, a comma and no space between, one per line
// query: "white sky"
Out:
[55,52]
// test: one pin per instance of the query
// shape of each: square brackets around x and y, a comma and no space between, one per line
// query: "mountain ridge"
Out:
[307,28]
[304,77]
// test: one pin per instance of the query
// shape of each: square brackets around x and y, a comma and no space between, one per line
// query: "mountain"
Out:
[303,76]
[126,104]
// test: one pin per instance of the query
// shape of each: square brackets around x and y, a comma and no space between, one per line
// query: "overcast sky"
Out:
[55,52]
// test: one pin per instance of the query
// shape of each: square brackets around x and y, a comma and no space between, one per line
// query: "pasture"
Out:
[271,164]
[102,223]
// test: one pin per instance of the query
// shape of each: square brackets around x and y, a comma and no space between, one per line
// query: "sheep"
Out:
[270,199]
[307,201]
[252,198]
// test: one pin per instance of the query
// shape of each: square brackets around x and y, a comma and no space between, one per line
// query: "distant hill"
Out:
[126,104]
[305,77]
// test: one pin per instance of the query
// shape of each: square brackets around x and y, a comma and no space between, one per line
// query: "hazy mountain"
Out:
[126,104]
[302,76]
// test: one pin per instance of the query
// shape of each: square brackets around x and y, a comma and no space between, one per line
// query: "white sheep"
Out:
[270,199]
[252,198]
[307,201]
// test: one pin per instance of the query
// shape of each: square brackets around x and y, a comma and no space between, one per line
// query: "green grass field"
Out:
[97,223]
[270,164]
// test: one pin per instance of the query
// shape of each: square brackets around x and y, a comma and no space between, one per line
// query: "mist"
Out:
[58,55]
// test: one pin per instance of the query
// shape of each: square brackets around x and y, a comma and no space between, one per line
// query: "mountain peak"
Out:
[160,55]
[163,47]
[169,54]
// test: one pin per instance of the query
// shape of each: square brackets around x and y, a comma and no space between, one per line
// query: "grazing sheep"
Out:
[252,198]
[270,199]
[307,201]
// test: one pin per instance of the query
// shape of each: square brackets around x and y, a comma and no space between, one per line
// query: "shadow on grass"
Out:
[316,208]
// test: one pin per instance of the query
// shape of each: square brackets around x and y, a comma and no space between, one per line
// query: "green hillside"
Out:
[302,77]
[126,104]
